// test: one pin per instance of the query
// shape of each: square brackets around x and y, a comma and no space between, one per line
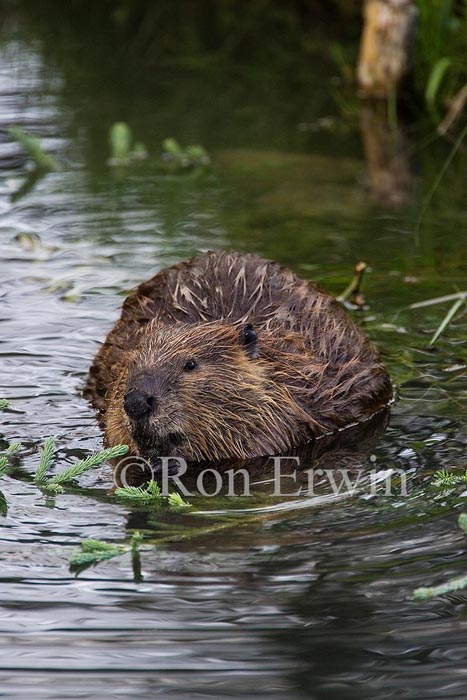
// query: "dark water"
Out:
[304,597]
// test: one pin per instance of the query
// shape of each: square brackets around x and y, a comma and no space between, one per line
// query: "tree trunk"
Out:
[386,45]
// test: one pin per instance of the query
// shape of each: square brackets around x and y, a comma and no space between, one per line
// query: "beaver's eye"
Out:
[190,366]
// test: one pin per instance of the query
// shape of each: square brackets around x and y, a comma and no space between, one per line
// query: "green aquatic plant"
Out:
[447,479]
[4,458]
[55,483]
[4,464]
[150,495]
[94,551]
[45,461]
[454,584]
[33,147]
[423,594]
[176,158]
[4,403]
[176,501]
[122,148]
[120,141]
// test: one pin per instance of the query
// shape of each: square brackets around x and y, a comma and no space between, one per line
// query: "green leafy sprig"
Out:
[454,584]
[94,551]
[150,495]
[11,449]
[33,147]
[75,470]
[446,479]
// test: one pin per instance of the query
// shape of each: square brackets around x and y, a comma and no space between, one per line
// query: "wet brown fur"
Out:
[316,371]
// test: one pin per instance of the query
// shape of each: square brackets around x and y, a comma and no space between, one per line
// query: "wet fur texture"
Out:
[314,373]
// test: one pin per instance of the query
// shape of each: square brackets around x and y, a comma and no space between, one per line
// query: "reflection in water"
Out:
[263,597]
[390,171]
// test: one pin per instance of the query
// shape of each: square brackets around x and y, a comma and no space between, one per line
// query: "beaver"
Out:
[229,355]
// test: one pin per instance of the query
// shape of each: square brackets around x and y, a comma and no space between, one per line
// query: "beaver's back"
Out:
[232,287]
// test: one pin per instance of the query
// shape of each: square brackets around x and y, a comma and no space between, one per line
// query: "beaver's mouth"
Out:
[154,444]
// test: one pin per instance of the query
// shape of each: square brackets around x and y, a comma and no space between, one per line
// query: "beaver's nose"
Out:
[139,403]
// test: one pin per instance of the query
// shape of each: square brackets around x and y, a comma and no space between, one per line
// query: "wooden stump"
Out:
[386,45]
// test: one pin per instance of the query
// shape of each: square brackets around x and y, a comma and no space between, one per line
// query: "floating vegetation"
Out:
[4,403]
[176,501]
[32,146]
[55,484]
[94,551]
[454,584]
[45,461]
[176,158]
[122,149]
[447,479]
[443,478]
[150,495]
[4,464]
[4,458]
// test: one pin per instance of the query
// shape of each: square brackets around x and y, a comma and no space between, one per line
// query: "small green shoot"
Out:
[121,145]
[94,551]
[32,145]
[120,141]
[4,403]
[85,465]
[11,449]
[46,460]
[139,495]
[150,495]
[54,484]
[178,159]
[447,479]
[454,584]
[462,522]
[176,501]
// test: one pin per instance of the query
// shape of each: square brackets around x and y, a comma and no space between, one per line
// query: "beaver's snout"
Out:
[141,397]
[138,404]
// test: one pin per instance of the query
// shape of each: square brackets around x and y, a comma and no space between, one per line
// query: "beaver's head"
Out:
[200,391]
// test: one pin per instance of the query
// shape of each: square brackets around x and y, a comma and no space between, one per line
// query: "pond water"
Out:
[303,597]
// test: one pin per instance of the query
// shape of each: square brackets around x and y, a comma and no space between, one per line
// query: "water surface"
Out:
[313,598]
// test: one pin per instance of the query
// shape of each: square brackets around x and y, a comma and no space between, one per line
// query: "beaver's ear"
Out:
[249,341]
